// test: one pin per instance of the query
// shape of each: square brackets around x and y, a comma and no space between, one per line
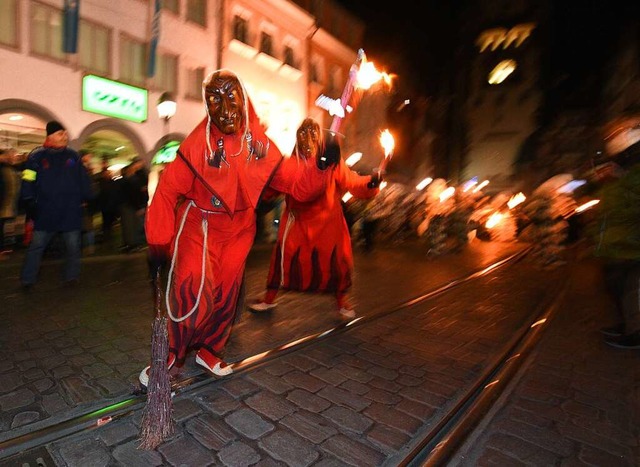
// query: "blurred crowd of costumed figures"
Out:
[442,218]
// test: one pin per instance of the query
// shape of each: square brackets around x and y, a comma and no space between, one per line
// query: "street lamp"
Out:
[166,107]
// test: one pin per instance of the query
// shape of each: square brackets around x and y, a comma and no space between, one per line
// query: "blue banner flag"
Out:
[155,36]
[71,17]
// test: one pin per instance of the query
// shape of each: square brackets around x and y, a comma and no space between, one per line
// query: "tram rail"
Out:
[430,449]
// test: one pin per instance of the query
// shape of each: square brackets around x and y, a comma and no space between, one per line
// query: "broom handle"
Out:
[158,294]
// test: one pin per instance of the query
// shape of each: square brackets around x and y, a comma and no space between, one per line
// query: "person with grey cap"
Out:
[54,187]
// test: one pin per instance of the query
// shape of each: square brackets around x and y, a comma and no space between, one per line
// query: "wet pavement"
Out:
[358,399]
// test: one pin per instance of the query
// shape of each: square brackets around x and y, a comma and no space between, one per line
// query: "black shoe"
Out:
[613,331]
[630,341]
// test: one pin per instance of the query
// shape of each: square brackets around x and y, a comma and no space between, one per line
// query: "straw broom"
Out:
[157,425]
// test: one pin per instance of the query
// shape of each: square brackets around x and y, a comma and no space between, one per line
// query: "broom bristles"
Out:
[157,425]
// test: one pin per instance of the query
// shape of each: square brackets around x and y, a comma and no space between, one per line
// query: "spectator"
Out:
[108,201]
[203,217]
[54,186]
[135,179]
[313,251]
[9,193]
[89,207]
[617,242]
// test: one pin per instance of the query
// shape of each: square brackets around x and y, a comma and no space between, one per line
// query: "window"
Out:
[94,47]
[266,43]
[167,73]
[9,23]
[195,77]
[289,57]
[46,31]
[171,5]
[241,29]
[132,61]
[197,11]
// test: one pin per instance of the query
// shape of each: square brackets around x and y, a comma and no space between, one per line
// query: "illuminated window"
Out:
[195,77]
[241,29]
[501,71]
[197,11]
[9,23]
[266,43]
[94,47]
[167,73]
[46,31]
[132,61]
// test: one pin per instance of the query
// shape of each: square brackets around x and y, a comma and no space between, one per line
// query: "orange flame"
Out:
[368,75]
[387,142]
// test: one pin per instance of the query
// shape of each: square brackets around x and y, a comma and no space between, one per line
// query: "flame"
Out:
[515,200]
[587,205]
[382,185]
[368,75]
[353,159]
[347,196]
[447,193]
[493,220]
[387,142]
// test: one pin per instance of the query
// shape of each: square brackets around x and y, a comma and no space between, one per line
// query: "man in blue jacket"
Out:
[54,186]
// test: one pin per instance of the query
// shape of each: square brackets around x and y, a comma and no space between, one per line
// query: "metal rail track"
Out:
[136,401]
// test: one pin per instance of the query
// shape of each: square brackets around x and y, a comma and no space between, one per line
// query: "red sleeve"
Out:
[301,179]
[354,183]
[176,179]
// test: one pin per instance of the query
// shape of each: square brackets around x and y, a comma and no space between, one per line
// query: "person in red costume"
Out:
[202,218]
[313,250]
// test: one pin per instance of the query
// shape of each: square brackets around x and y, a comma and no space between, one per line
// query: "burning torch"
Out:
[362,75]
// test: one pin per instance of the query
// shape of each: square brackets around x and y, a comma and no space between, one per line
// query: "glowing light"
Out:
[347,196]
[15,118]
[494,220]
[423,184]
[119,148]
[515,200]
[469,184]
[587,205]
[502,71]
[571,186]
[116,167]
[539,322]
[383,184]
[387,142]
[353,159]
[447,193]
[481,186]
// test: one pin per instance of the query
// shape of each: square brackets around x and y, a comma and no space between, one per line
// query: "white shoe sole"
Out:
[144,374]
[347,314]
[217,369]
[262,306]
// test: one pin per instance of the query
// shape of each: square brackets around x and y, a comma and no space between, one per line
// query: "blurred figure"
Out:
[9,192]
[313,251]
[108,201]
[55,185]
[616,235]
[89,207]
[203,217]
[134,183]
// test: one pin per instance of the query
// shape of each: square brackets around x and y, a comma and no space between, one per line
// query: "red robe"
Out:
[313,251]
[205,277]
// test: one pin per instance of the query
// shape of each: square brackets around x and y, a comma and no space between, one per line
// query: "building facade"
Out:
[105,96]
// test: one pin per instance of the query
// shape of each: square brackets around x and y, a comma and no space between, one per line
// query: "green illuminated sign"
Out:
[166,153]
[106,97]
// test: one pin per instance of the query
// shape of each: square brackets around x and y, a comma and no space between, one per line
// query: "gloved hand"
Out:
[376,179]
[157,259]
[331,154]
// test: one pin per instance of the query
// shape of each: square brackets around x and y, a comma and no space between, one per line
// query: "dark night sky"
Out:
[419,46]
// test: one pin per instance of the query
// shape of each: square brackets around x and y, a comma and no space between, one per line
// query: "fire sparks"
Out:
[346,197]
[481,186]
[387,142]
[423,184]
[446,194]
